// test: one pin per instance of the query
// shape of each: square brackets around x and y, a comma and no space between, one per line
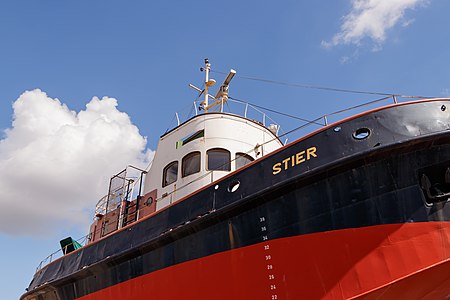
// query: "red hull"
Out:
[407,261]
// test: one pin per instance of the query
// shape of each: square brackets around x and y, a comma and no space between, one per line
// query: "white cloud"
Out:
[371,19]
[348,59]
[56,163]
[408,22]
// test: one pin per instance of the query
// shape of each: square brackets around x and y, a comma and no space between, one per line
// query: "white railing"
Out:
[320,121]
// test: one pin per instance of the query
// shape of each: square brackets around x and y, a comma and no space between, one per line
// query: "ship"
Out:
[357,209]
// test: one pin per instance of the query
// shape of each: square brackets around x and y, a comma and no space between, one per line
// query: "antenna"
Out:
[223,90]
[221,96]
[208,83]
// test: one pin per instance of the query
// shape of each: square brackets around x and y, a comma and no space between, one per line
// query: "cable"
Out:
[274,111]
[324,88]
[357,106]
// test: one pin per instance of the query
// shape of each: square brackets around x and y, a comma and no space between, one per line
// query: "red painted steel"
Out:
[430,284]
[377,262]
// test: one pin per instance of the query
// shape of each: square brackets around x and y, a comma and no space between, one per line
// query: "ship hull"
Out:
[407,261]
[351,220]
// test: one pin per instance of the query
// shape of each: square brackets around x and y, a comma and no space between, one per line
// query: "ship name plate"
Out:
[294,160]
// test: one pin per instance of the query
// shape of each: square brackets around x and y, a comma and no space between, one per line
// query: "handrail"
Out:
[324,117]
[60,252]
[262,116]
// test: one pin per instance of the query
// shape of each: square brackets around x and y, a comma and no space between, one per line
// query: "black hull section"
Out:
[344,183]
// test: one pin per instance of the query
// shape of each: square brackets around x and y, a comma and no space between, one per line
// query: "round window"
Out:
[234,186]
[361,133]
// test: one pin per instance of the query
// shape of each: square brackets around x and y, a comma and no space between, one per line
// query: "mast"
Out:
[208,83]
[222,94]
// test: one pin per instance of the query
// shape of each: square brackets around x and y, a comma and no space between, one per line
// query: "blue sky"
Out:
[144,54]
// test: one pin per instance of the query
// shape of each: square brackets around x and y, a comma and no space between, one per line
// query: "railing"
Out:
[256,113]
[122,191]
[60,252]
[249,111]
[324,120]
[320,121]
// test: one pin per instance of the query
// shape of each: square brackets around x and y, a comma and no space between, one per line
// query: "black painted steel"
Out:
[352,181]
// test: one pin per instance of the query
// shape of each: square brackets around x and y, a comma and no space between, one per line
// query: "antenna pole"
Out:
[207,68]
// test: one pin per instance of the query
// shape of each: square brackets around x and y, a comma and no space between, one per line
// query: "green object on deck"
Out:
[69,245]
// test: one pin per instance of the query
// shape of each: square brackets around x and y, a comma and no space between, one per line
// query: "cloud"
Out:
[55,163]
[371,19]
[348,59]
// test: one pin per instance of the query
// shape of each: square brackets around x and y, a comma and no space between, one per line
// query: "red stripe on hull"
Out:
[385,261]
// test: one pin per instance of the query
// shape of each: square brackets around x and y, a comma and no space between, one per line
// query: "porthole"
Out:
[337,129]
[233,187]
[149,201]
[361,133]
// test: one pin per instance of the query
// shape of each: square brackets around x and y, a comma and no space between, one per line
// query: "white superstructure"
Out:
[194,154]
[202,150]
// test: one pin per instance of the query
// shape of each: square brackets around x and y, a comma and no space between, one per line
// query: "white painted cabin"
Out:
[194,154]
[202,150]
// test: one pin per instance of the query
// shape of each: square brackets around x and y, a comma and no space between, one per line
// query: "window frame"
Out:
[190,155]
[242,154]
[217,150]
[164,177]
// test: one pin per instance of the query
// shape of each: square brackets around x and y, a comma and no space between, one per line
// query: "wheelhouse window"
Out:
[170,173]
[219,159]
[190,164]
[242,159]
